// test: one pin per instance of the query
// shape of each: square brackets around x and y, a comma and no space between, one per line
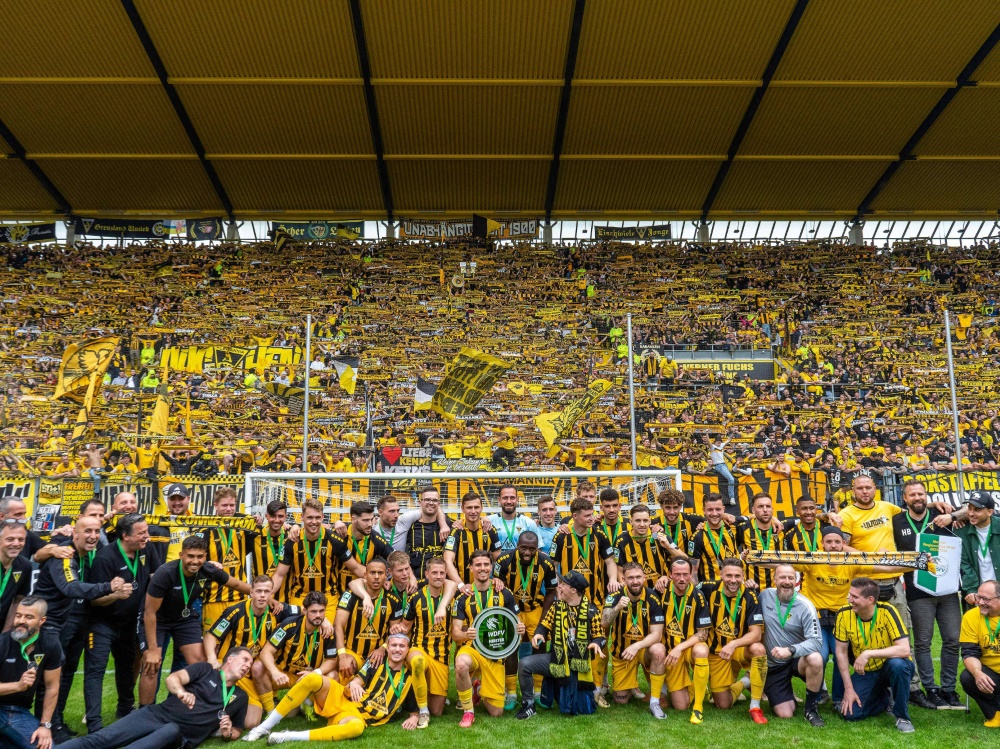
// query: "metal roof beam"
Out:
[18,152]
[755,102]
[364,62]
[562,116]
[175,100]
[907,154]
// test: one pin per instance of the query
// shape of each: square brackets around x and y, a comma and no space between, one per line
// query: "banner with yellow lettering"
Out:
[80,361]
[557,425]
[468,378]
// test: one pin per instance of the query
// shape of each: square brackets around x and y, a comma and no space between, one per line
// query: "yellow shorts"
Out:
[437,673]
[722,673]
[337,706]
[246,684]
[492,686]
[625,674]
[530,619]
[678,676]
[210,613]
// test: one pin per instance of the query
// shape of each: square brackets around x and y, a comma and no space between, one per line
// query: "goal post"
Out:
[337,491]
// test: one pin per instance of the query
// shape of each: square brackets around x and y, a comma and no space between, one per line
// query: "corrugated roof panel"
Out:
[989,70]
[654,119]
[20,191]
[888,40]
[259,39]
[45,38]
[851,120]
[445,119]
[252,119]
[801,185]
[462,39]
[300,184]
[968,127]
[468,185]
[943,186]
[708,39]
[92,118]
[625,185]
[94,185]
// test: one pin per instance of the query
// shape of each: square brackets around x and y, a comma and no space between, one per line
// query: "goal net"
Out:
[337,491]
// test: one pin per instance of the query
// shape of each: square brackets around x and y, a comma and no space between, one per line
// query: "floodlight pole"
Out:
[631,388]
[954,409]
[305,407]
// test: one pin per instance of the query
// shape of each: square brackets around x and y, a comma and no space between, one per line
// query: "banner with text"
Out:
[27,233]
[510,228]
[316,231]
[633,233]
[943,487]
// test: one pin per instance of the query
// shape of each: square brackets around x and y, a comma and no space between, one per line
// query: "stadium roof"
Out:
[592,109]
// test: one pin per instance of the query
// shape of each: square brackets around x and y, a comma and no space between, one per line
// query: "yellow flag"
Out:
[557,425]
[80,361]
[965,320]
[347,372]
[468,378]
[492,226]
[160,422]
[80,428]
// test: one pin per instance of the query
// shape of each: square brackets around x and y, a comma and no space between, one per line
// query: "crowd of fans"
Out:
[857,335]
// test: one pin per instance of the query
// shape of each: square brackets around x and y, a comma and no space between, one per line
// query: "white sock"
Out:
[754,704]
[296,735]
[425,711]
[746,682]
[270,721]
[654,700]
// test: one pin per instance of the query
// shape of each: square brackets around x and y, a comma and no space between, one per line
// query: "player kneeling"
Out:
[371,698]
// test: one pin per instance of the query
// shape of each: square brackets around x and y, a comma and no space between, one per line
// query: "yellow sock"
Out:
[510,681]
[736,689]
[598,667]
[267,702]
[700,682]
[536,681]
[465,699]
[419,666]
[758,675]
[349,730]
[656,685]
[297,694]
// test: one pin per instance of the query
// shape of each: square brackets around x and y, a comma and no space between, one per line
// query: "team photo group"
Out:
[526,610]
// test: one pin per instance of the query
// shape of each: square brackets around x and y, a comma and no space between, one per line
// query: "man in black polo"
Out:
[28,657]
[15,570]
[173,609]
[113,621]
[203,702]
[65,584]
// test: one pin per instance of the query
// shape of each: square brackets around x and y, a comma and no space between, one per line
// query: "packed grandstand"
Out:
[851,338]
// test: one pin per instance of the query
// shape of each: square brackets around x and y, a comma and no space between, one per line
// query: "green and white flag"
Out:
[947,555]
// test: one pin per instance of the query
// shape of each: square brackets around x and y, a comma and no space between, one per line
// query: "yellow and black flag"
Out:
[294,398]
[80,361]
[424,395]
[557,425]
[483,227]
[347,371]
[281,238]
[469,377]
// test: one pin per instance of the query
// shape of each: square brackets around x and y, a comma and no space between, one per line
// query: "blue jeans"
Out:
[16,726]
[723,470]
[828,646]
[874,688]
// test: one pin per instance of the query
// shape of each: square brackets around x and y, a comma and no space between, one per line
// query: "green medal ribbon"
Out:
[376,607]
[675,538]
[508,530]
[363,551]
[311,558]
[479,600]
[227,695]
[783,617]
[403,595]
[760,539]
[225,541]
[255,630]
[991,632]
[613,537]
[927,519]
[715,543]
[26,645]
[4,579]
[132,567]
[398,683]
[815,539]
[865,636]
[86,561]
[431,606]
[184,589]
[679,610]
[275,550]
[313,639]
[734,611]
[984,548]
[638,612]
[525,579]
[584,549]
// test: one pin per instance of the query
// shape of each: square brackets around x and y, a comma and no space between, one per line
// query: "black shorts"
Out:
[778,686]
[183,632]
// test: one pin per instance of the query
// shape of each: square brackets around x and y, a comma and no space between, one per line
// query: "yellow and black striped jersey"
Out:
[683,614]
[297,650]
[749,536]
[633,622]
[423,541]
[731,617]
[363,635]
[614,530]
[681,532]
[586,555]
[239,626]
[433,639]
[881,631]
[466,608]
[386,692]
[229,547]
[266,553]
[645,552]
[527,581]
[315,565]
[362,552]
[709,547]
[797,538]
[463,541]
